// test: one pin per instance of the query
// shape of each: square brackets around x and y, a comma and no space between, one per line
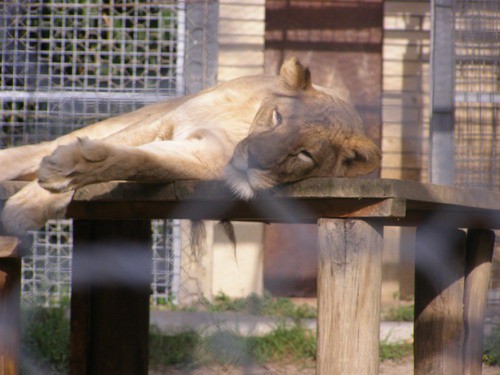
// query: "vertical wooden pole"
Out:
[439,291]
[349,281]
[480,245]
[10,282]
[110,297]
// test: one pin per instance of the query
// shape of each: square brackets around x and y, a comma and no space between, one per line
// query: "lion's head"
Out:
[300,131]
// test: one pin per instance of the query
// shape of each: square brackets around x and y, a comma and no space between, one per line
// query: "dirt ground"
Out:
[403,367]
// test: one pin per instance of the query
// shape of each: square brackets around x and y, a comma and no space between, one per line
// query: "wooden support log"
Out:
[349,282]
[10,281]
[110,297]
[439,291]
[480,245]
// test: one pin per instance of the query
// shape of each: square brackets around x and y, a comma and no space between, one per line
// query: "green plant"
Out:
[400,314]
[394,351]
[222,303]
[172,350]
[228,347]
[491,354]
[45,337]
[266,305]
[295,344]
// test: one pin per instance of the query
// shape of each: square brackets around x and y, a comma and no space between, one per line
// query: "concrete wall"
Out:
[241,52]
[405,127]
[241,38]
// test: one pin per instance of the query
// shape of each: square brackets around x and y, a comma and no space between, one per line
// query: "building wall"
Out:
[405,100]
[241,38]
[239,272]
[405,126]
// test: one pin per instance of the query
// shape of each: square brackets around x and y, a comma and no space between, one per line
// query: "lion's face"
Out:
[300,132]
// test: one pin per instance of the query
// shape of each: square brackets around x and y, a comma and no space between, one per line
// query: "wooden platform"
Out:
[453,258]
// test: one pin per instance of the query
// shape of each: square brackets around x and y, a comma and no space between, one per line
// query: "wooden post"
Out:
[110,297]
[349,281]
[10,281]
[480,245]
[439,299]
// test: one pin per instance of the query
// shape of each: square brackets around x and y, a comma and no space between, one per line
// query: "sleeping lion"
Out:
[254,132]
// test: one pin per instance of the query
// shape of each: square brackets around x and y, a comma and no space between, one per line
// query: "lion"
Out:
[254,132]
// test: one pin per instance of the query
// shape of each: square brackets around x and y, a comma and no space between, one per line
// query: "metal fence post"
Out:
[442,92]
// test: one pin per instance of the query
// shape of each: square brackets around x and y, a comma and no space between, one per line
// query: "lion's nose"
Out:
[253,161]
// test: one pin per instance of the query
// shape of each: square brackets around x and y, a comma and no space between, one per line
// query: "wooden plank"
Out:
[110,297]
[279,210]
[10,327]
[154,199]
[9,247]
[321,188]
[439,291]
[349,281]
[480,245]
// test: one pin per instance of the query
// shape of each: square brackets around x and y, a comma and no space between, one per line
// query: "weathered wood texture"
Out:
[10,330]
[110,335]
[333,197]
[349,282]
[8,247]
[480,245]
[439,300]
[110,299]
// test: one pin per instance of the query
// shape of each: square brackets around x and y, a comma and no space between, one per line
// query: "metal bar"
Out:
[442,88]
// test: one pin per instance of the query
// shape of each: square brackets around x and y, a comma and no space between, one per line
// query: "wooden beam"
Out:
[480,245]
[110,297]
[267,210]
[9,247]
[349,282]
[10,287]
[439,291]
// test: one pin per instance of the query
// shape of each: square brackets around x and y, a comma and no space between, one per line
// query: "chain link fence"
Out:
[67,63]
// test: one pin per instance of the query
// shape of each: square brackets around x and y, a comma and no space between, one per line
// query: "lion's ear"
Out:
[295,74]
[361,156]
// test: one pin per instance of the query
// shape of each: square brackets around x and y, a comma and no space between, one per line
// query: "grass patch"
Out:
[491,354]
[172,350]
[265,305]
[45,339]
[295,344]
[403,313]
[227,347]
[395,351]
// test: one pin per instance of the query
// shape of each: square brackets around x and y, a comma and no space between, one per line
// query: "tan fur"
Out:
[256,132]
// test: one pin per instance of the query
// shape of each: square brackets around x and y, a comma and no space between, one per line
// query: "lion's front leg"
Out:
[89,161]
[31,207]
[76,164]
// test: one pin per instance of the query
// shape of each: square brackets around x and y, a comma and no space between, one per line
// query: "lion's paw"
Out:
[71,166]
[31,207]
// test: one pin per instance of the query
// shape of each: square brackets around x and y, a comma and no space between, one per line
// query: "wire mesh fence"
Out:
[477,86]
[477,107]
[68,63]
